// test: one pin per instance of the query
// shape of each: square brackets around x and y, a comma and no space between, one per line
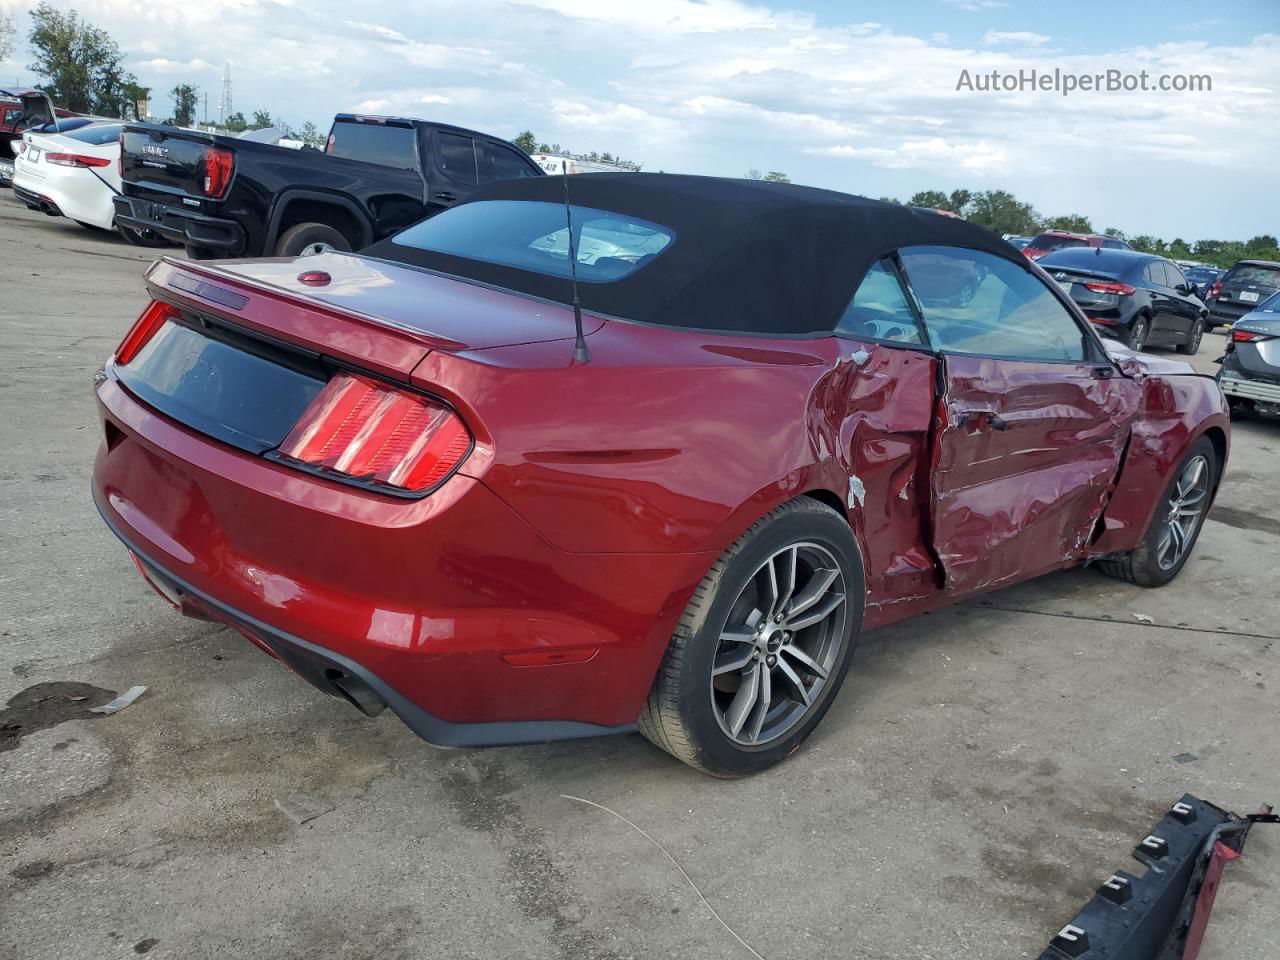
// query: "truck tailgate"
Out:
[165,161]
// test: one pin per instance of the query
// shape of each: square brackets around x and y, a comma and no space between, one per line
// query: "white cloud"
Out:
[724,85]
[1020,38]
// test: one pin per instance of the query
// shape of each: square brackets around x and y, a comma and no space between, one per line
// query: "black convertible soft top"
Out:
[749,255]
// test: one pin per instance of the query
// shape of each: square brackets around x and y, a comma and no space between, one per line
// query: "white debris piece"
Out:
[120,702]
[1143,618]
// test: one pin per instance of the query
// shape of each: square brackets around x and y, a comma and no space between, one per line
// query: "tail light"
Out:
[1248,336]
[367,431]
[1215,289]
[1033,253]
[76,160]
[152,319]
[218,165]
[1121,289]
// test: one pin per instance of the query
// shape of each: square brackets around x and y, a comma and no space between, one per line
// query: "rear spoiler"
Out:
[1163,914]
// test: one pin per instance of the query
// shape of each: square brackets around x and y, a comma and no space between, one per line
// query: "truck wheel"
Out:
[763,646]
[308,239]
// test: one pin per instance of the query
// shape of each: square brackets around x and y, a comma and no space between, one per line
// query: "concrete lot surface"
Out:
[982,771]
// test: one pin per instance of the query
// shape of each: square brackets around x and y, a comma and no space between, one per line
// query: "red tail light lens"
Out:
[218,165]
[1248,336]
[1215,289]
[370,431]
[152,319]
[76,160]
[1122,289]
[1033,253]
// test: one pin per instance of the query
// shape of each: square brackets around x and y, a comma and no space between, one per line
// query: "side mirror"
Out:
[1185,289]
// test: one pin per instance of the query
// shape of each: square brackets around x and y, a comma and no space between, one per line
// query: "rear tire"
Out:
[1152,564]
[307,239]
[694,702]
[1192,346]
[1137,337]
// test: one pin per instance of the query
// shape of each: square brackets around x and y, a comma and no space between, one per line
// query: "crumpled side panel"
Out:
[1024,464]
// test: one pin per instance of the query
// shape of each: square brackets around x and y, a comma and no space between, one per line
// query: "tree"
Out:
[958,200]
[235,122]
[777,176]
[7,31]
[1073,222]
[1114,232]
[890,200]
[1002,212]
[261,119]
[185,99]
[754,174]
[527,142]
[81,65]
[934,199]
[311,135]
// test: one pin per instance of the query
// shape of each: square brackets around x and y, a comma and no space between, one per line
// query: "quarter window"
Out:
[879,309]
[977,303]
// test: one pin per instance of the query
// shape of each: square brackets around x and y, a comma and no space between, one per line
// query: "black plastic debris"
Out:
[1161,915]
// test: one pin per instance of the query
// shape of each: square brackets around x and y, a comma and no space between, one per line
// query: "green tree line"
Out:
[1001,212]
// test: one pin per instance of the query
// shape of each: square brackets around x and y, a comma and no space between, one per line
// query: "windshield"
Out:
[1049,242]
[532,235]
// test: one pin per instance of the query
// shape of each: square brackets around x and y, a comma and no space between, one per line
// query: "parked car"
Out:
[1137,298]
[1240,290]
[1049,240]
[1250,372]
[425,481]
[74,174]
[1203,278]
[20,110]
[230,197]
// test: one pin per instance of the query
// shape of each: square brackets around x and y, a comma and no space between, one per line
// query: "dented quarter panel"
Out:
[1174,410]
[1016,502]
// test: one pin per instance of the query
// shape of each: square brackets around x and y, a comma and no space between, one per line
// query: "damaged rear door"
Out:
[1032,419]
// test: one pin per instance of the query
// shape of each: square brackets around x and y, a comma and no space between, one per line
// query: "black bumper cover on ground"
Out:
[318,666]
[1161,915]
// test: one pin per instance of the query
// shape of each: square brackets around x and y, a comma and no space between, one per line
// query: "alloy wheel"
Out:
[1138,336]
[1184,512]
[780,644]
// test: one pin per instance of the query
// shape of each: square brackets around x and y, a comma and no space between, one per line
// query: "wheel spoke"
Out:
[788,581]
[794,679]
[771,584]
[743,700]
[762,702]
[805,660]
[1190,476]
[813,590]
[1196,496]
[738,635]
[1165,544]
[818,613]
[731,661]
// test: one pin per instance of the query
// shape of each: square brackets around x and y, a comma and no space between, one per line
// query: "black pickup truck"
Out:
[223,196]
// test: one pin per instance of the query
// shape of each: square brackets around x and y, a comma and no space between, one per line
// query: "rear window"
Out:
[97,134]
[1049,242]
[380,143]
[1254,273]
[532,235]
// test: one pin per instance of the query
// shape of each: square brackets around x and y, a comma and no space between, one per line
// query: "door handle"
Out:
[980,417]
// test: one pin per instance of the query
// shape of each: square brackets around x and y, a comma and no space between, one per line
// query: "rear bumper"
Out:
[182,226]
[325,670]
[451,608]
[1250,389]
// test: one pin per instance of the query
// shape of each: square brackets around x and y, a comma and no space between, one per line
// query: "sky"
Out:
[854,96]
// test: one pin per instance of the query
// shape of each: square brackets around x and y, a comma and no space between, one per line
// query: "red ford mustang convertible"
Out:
[791,415]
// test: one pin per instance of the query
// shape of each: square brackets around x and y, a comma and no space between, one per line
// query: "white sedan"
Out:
[73,174]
